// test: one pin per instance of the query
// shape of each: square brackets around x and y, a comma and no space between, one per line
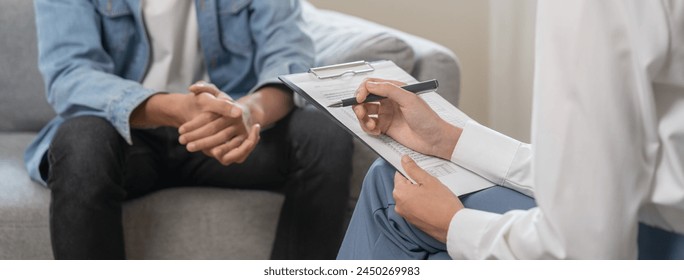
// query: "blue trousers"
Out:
[376,231]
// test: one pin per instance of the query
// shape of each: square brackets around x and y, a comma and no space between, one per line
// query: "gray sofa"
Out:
[180,223]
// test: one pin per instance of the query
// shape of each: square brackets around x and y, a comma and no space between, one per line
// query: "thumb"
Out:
[221,107]
[254,133]
[414,171]
[235,111]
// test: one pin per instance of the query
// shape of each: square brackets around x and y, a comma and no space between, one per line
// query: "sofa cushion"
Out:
[202,223]
[23,204]
[24,106]
[179,223]
[342,38]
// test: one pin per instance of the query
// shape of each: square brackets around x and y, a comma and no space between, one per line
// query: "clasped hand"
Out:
[218,126]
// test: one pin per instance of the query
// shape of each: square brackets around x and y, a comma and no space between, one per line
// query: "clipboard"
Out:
[339,70]
[322,86]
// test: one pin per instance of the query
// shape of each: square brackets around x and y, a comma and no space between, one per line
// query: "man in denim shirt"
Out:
[117,73]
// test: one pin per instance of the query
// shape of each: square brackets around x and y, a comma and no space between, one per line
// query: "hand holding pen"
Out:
[404,116]
[416,88]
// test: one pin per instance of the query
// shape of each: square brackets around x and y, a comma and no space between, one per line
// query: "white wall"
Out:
[492,38]
[511,66]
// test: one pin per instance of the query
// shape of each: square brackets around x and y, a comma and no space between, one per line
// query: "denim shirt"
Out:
[93,55]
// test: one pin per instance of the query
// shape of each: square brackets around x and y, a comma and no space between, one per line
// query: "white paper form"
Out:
[324,92]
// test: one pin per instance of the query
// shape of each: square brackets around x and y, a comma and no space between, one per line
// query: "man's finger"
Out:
[244,149]
[202,86]
[373,126]
[195,123]
[359,111]
[255,136]
[372,108]
[362,91]
[391,91]
[222,107]
[222,150]
[414,171]
[211,141]
[221,130]
[368,124]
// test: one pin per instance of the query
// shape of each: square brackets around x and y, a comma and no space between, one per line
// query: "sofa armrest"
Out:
[340,38]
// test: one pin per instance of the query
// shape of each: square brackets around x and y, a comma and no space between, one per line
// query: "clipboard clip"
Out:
[339,70]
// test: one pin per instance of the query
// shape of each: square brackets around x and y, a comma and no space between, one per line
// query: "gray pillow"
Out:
[342,38]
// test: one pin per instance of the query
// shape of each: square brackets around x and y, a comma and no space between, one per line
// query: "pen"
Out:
[416,88]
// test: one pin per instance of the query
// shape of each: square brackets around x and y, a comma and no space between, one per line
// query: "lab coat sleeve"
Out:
[593,141]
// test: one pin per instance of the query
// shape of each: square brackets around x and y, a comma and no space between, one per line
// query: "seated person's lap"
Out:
[654,243]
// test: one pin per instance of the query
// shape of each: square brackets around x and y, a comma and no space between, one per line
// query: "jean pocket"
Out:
[118,23]
[113,8]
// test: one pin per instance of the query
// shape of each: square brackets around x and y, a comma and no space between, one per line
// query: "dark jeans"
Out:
[92,171]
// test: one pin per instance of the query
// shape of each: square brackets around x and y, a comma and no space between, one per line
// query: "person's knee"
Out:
[85,136]
[378,184]
[380,168]
[321,140]
[84,152]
